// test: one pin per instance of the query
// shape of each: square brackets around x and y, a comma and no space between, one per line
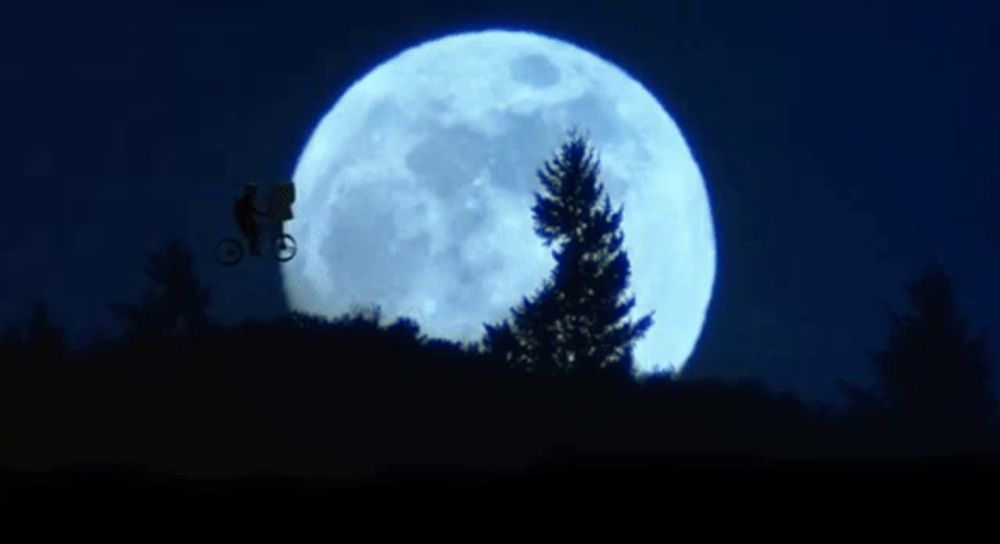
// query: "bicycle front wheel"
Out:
[229,251]
[285,247]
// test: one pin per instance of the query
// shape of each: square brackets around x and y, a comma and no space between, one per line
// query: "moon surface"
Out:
[415,190]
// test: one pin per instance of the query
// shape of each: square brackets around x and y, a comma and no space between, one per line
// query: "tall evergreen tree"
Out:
[578,320]
[175,302]
[933,376]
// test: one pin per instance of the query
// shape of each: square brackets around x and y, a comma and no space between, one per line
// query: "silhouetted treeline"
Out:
[354,396]
[351,395]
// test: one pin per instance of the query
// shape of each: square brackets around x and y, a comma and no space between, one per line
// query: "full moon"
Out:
[414,192]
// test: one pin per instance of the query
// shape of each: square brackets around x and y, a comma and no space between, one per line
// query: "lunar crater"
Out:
[535,70]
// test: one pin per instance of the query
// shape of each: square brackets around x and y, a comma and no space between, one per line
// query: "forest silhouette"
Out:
[357,398]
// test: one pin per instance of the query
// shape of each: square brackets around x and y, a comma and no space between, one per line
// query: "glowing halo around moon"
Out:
[415,190]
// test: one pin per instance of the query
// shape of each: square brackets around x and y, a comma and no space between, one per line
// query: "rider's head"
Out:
[250,188]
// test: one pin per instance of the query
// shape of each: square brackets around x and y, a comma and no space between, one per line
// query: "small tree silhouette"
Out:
[932,378]
[578,320]
[175,302]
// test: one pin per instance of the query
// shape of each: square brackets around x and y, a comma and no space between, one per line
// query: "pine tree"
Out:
[578,320]
[175,302]
[933,376]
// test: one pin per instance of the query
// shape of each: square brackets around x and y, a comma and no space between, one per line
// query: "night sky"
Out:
[842,144]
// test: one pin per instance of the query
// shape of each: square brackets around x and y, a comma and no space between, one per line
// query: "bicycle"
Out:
[229,251]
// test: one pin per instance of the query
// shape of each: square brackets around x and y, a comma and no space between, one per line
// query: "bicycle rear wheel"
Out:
[229,251]
[285,247]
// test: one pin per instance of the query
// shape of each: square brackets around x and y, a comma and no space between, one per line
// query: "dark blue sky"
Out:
[841,144]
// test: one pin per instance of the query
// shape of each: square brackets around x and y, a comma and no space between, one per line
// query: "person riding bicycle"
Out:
[245,211]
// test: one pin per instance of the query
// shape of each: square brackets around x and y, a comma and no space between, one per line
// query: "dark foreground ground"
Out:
[247,414]
[701,496]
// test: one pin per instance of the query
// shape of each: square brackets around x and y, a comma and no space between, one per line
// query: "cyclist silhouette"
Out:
[245,212]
